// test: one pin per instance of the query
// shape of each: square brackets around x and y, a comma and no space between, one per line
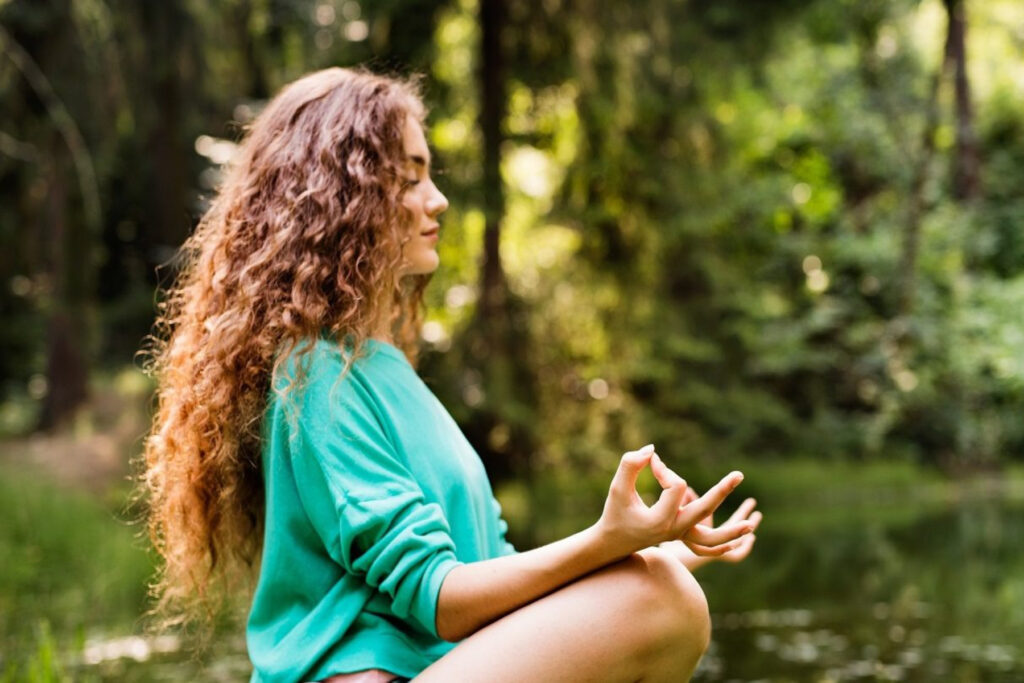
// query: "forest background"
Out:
[784,236]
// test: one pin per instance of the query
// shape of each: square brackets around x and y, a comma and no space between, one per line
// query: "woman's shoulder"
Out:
[321,363]
[324,350]
[322,381]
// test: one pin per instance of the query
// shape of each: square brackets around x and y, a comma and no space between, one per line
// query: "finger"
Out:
[709,536]
[705,505]
[744,510]
[740,552]
[709,502]
[667,507]
[709,520]
[629,468]
[671,496]
[712,551]
[690,496]
[665,476]
[755,520]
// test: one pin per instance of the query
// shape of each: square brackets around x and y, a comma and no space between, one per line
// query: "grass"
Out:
[72,567]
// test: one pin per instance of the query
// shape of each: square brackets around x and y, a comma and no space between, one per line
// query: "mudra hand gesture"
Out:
[680,520]
[694,555]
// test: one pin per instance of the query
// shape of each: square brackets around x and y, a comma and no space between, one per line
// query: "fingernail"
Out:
[648,447]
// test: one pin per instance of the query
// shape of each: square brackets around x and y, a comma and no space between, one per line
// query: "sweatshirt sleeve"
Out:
[364,503]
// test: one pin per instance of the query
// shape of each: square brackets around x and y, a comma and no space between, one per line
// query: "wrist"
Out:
[695,562]
[687,557]
[607,545]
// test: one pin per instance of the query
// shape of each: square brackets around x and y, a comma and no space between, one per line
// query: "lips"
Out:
[431,231]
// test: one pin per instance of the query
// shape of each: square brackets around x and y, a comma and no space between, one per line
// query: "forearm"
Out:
[477,593]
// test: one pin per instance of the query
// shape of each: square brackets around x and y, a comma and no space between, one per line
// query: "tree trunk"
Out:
[915,209]
[498,338]
[966,161]
[67,229]
[492,111]
[252,52]
[170,223]
[66,371]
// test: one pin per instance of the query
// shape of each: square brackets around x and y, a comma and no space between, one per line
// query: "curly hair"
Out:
[303,238]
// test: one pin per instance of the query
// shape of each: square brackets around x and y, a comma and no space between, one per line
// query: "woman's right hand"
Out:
[628,524]
[476,593]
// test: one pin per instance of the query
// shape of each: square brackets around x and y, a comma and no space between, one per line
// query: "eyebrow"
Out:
[418,160]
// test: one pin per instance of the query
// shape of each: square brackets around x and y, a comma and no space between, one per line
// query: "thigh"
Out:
[640,616]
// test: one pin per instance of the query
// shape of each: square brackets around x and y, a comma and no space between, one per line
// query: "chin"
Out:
[422,266]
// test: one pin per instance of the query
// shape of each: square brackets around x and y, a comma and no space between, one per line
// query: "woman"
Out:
[292,432]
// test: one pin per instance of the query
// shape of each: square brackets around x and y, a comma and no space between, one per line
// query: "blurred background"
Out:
[783,237]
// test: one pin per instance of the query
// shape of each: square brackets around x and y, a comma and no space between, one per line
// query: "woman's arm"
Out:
[472,595]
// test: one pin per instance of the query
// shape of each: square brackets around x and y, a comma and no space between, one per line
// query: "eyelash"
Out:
[410,182]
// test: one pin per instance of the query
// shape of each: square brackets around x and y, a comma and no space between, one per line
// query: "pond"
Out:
[850,584]
[876,588]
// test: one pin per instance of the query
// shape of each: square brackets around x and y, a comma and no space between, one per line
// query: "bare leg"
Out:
[642,619]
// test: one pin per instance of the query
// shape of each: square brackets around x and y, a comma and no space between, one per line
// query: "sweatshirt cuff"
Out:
[431,593]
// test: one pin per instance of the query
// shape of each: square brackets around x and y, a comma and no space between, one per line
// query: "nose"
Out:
[437,203]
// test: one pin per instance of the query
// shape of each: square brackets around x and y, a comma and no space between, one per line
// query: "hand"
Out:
[628,525]
[702,537]
[697,539]
[745,544]
[693,555]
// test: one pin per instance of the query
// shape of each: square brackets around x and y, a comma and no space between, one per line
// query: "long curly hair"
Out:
[303,238]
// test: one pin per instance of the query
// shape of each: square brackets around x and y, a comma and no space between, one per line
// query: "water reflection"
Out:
[903,592]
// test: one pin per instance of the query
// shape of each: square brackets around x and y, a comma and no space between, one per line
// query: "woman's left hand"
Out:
[698,547]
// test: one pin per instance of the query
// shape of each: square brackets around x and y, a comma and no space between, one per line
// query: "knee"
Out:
[672,604]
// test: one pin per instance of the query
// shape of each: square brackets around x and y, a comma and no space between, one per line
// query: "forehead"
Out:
[415,143]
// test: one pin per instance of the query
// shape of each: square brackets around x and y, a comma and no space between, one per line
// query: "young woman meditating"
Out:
[293,436]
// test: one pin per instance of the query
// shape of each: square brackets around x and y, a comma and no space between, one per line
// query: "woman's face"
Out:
[423,201]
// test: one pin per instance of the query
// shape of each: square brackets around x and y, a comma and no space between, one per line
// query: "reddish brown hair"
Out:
[304,236]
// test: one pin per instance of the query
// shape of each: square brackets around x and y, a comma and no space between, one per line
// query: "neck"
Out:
[382,330]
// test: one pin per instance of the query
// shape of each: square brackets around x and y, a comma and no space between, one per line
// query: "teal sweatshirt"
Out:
[373,495]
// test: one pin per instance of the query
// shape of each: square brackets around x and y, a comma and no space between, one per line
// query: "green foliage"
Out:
[737,283]
[59,547]
[707,213]
[43,666]
[705,227]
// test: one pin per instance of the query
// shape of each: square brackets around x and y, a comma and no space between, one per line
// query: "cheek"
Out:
[408,216]
[411,200]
